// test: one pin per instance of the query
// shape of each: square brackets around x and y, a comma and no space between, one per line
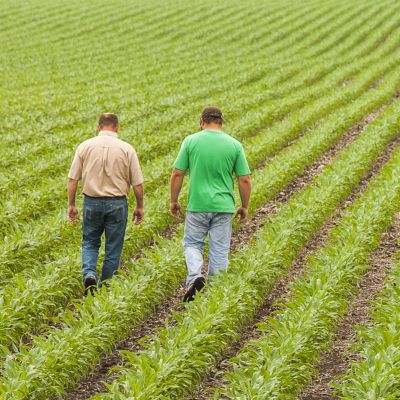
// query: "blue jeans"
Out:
[100,215]
[219,228]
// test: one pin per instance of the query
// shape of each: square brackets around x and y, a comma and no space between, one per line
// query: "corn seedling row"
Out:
[277,138]
[37,352]
[282,360]
[42,297]
[375,373]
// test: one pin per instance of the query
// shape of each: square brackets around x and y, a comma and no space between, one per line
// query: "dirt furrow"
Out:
[102,373]
[337,359]
[280,294]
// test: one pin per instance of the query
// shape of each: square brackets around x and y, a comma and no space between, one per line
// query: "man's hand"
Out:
[242,214]
[244,184]
[138,216]
[175,188]
[176,211]
[72,214]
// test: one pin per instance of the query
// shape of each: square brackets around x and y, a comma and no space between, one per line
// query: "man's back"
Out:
[212,156]
[107,165]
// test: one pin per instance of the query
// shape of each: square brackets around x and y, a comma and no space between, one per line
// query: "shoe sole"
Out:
[197,285]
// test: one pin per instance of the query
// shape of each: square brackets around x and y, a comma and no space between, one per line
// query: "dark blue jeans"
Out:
[108,215]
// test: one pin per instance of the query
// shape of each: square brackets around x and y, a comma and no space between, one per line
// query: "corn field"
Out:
[310,306]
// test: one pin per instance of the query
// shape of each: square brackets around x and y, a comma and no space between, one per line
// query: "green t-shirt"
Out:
[211,156]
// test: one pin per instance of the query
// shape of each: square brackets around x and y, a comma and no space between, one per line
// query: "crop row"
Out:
[375,374]
[163,75]
[171,86]
[156,29]
[14,255]
[160,19]
[61,161]
[17,210]
[113,311]
[260,11]
[74,281]
[282,360]
[40,293]
[16,249]
[175,360]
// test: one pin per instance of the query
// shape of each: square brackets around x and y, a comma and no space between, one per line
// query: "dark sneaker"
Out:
[195,287]
[90,284]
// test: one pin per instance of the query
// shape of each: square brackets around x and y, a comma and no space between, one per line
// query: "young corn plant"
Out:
[375,374]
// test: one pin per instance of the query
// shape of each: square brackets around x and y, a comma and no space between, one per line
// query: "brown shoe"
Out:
[195,287]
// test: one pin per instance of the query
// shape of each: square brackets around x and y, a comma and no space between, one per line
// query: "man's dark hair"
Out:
[212,115]
[108,119]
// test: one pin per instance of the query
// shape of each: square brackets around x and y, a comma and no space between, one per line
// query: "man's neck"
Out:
[105,130]
[212,127]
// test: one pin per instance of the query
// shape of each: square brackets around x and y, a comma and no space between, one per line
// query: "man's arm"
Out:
[244,184]
[138,214]
[72,188]
[175,188]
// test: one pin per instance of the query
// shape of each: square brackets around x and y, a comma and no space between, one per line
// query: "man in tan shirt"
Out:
[108,167]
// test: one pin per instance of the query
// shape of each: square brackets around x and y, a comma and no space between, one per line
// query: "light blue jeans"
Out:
[197,226]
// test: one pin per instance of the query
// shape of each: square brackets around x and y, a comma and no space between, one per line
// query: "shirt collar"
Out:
[213,130]
[108,133]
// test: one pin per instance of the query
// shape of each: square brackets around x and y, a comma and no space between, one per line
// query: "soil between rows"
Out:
[337,359]
[103,374]
[280,292]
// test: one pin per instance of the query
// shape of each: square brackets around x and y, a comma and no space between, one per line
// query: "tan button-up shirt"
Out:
[108,166]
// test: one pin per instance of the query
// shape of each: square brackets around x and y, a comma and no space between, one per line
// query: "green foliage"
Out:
[375,375]
[282,360]
[291,162]
[268,182]
[291,78]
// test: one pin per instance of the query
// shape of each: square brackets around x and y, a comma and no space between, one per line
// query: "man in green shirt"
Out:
[211,157]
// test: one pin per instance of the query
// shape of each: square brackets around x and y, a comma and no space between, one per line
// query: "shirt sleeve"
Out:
[241,166]
[135,172]
[182,161]
[75,171]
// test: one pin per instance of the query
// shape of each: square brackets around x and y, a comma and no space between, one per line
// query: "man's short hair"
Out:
[212,115]
[108,119]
